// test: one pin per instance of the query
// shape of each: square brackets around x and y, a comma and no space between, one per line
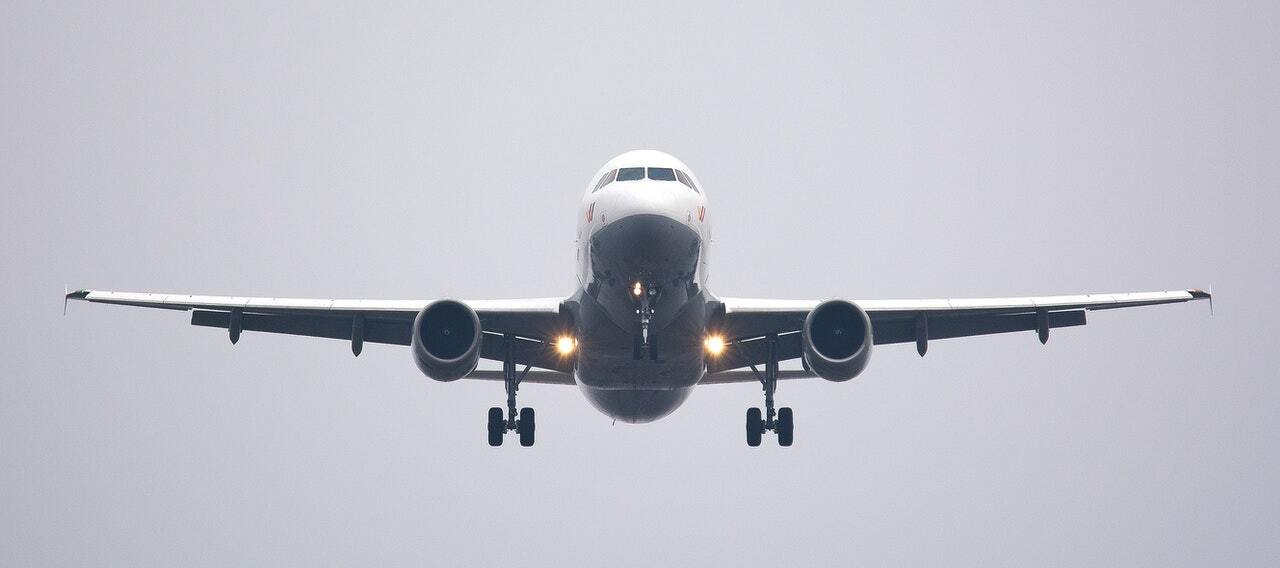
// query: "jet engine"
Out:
[837,340]
[446,340]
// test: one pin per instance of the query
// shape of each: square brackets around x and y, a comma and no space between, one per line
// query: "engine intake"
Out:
[446,340]
[837,340]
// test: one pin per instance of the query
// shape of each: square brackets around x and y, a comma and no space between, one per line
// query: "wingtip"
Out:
[77,295]
[1198,294]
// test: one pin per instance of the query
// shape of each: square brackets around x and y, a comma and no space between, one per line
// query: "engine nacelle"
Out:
[837,340]
[446,340]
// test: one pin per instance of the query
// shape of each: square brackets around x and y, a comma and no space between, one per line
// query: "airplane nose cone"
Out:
[654,247]
[646,197]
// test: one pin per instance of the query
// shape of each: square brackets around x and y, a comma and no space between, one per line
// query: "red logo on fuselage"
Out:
[702,213]
[591,211]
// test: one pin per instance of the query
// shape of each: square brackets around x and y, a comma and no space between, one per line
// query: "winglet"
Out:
[1197,294]
[77,295]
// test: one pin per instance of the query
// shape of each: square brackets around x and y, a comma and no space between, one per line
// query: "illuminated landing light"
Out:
[714,344]
[566,344]
[637,289]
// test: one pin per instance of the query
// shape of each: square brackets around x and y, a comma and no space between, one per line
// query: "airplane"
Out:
[642,329]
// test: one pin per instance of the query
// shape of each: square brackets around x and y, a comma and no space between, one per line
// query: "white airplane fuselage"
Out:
[642,251]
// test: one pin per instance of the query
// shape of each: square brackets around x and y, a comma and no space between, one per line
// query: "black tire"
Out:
[755,427]
[497,426]
[786,426]
[526,426]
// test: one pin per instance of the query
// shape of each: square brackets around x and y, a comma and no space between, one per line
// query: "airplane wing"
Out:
[533,321]
[749,320]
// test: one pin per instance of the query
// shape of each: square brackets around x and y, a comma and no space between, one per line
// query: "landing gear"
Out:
[785,426]
[524,424]
[642,343]
[780,421]
[497,426]
[755,427]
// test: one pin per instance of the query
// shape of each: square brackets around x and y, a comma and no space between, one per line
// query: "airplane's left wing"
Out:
[747,320]
[533,321]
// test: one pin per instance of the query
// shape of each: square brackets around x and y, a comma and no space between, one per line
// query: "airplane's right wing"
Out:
[532,321]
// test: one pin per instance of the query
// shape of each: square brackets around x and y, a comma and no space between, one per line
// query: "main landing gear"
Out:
[522,423]
[782,421]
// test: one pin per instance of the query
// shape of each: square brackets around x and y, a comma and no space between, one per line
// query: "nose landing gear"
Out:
[524,423]
[781,421]
[645,298]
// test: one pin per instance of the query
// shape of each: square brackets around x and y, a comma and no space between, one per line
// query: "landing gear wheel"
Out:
[785,426]
[497,426]
[755,427]
[525,426]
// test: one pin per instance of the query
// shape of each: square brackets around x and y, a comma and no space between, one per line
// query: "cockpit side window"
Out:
[630,174]
[662,174]
[685,179]
[606,179]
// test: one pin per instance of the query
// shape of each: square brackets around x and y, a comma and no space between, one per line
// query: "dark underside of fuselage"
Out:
[623,376]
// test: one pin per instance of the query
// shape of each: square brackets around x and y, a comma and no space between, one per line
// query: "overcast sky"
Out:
[863,152]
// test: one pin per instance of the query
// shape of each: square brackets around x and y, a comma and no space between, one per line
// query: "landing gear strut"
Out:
[645,297]
[524,421]
[780,421]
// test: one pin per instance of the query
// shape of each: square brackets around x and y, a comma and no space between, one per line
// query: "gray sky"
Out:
[873,151]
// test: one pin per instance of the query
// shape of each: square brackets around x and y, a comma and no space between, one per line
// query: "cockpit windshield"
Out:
[684,178]
[635,174]
[630,174]
[662,174]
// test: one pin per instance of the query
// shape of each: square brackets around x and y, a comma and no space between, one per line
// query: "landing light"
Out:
[566,344]
[715,344]
[637,289]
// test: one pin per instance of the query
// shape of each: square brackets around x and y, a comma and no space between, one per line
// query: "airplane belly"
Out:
[623,376]
[636,406]
[607,355]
